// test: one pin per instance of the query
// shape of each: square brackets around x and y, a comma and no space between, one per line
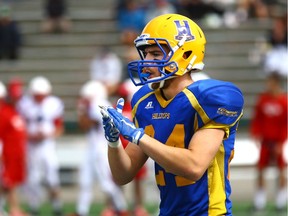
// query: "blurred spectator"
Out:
[95,164]
[269,129]
[106,67]
[201,10]
[126,91]
[277,36]
[251,9]
[43,113]
[131,20]
[56,20]
[13,149]
[159,7]
[276,57]
[10,35]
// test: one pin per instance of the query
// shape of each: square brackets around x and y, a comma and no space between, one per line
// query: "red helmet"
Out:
[15,88]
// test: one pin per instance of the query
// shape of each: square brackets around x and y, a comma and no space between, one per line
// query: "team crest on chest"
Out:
[183,28]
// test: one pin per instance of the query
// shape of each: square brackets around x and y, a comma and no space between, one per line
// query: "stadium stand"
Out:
[64,58]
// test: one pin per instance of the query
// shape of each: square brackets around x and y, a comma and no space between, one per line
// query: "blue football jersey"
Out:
[204,104]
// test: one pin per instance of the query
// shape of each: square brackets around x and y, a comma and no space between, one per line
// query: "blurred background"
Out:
[68,45]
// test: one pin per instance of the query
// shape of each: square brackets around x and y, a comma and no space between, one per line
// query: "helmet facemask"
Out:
[136,69]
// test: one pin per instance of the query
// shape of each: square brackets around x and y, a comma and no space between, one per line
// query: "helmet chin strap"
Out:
[190,65]
[160,84]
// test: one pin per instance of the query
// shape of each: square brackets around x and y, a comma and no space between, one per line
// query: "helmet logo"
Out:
[143,36]
[183,30]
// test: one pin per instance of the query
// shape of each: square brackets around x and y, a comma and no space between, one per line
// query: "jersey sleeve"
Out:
[54,112]
[55,107]
[221,104]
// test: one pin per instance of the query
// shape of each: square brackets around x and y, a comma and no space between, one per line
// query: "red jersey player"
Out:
[269,128]
[13,139]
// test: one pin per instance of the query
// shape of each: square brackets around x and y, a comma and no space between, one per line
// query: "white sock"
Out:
[2,203]
[281,198]
[260,199]
[84,201]
[56,205]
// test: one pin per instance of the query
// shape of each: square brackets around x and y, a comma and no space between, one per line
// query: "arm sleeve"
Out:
[222,106]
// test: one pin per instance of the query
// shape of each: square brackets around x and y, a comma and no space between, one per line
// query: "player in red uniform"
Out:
[269,129]
[13,139]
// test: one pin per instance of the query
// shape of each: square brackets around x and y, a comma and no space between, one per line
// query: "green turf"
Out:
[246,209]
[95,209]
[239,209]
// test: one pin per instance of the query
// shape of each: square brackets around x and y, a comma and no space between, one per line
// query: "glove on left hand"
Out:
[125,126]
[111,132]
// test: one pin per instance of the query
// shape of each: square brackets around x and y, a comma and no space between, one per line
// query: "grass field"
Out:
[239,209]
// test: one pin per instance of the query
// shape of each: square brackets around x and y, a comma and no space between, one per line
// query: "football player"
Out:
[269,130]
[13,138]
[188,128]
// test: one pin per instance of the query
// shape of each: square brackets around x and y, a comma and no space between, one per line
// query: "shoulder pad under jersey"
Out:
[222,101]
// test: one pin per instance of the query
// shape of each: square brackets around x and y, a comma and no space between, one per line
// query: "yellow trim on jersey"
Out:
[216,184]
[193,100]
[224,127]
[136,106]
[163,103]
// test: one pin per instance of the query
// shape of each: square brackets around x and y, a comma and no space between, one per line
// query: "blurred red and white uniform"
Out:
[95,166]
[43,113]
[269,129]
[13,140]
[270,124]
